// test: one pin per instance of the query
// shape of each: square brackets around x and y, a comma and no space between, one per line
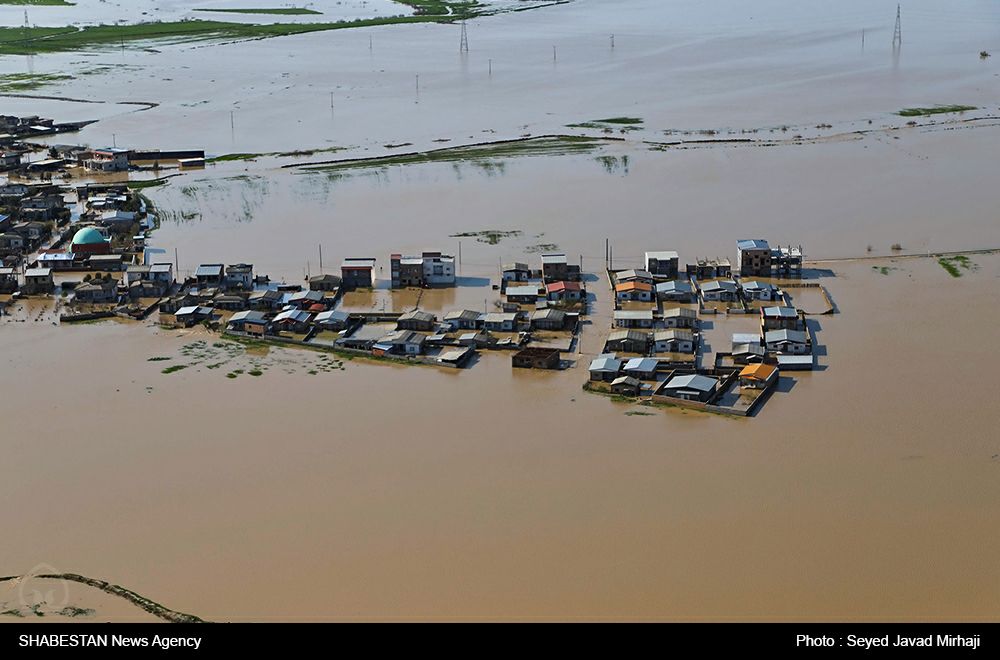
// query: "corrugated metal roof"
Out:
[692,382]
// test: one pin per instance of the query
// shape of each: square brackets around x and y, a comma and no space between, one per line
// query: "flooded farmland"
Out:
[241,483]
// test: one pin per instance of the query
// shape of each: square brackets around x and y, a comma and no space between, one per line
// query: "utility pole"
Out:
[321,258]
[607,252]
[553,53]
[177,264]
[463,45]
[369,42]
[460,253]
[897,34]
[612,41]
[331,100]
[114,141]
[418,82]
[862,38]
[232,122]
[491,68]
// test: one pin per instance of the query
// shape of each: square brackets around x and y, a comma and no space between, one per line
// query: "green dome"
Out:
[88,236]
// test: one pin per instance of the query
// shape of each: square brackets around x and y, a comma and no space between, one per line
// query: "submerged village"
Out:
[85,246]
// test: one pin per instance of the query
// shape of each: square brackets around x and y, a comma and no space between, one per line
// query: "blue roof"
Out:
[753,244]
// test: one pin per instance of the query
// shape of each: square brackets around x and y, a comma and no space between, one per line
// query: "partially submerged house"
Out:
[753,257]
[526,294]
[515,272]
[634,290]
[536,358]
[556,268]
[663,263]
[548,319]
[325,282]
[634,275]
[756,290]
[292,320]
[675,291]
[38,280]
[357,273]
[758,376]
[690,387]
[188,316]
[633,318]
[239,321]
[627,341]
[748,353]
[674,340]
[416,320]
[605,367]
[500,321]
[642,368]
[239,276]
[462,319]
[719,290]
[564,291]
[266,301]
[707,269]
[780,318]
[333,319]
[787,341]
[401,342]
[626,386]
[429,269]
[209,275]
[680,317]
[97,291]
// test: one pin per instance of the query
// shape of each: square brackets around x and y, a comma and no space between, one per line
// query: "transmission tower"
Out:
[463,46]
[897,35]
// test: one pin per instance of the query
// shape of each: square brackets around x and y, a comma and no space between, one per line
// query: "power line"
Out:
[897,34]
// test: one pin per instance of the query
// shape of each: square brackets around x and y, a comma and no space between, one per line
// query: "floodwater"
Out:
[864,490]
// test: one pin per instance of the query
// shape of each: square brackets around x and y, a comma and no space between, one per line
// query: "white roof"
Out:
[641,364]
[693,382]
[522,291]
[662,255]
[634,314]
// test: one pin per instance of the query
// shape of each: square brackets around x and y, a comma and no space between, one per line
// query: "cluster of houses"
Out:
[234,287]
[649,377]
[652,347]
[310,318]
[557,284]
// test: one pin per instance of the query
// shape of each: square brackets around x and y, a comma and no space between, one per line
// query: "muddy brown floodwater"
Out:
[865,490]
[285,485]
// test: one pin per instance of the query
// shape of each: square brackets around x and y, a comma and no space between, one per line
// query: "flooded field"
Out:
[240,482]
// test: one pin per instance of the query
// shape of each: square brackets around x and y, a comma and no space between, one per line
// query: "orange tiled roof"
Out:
[759,371]
[632,286]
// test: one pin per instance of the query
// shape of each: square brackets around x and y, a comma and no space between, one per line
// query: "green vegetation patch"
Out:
[620,120]
[540,146]
[51,3]
[176,367]
[935,110]
[35,40]
[282,11]
[20,82]
[955,265]
[157,359]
